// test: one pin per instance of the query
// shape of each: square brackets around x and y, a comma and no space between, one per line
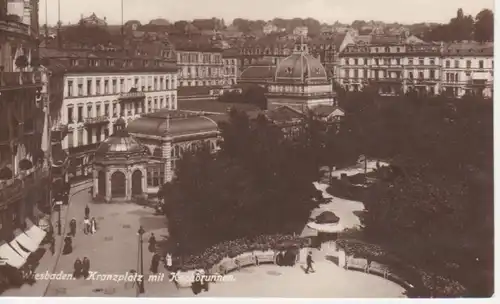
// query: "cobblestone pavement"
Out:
[112,250]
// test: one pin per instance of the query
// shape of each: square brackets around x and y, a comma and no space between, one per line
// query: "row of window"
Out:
[114,109]
[127,63]
[383,74]
[199,58]
[114,86]
[411,61]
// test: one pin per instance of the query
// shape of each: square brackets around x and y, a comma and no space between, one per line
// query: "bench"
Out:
[357,264]
[379,269]
[265,257]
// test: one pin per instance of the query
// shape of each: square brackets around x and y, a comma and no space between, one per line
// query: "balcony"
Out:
[13,189]
[19,80]
[477,83]
[132,95]
[387,80]
[92,121]
[14,28]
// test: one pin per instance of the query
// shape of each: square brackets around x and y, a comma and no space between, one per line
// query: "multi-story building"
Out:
[23,177]
[467,69]
[200,68]
[301,31]
[230,66]
[90,90]
[392,69]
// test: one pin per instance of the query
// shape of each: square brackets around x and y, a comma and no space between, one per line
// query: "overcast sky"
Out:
[403,11]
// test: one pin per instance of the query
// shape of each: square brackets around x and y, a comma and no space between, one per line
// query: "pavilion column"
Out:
[166,155]
[95,189]
[128,184]
[108,185]
[144,181]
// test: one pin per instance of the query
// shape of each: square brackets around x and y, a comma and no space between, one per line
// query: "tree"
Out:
[243,190]
[483,27]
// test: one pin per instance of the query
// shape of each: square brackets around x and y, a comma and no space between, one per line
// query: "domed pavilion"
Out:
[300,82]
[120,164]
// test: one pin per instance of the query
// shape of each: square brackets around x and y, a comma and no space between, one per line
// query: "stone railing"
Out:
[132,95]
[96,120]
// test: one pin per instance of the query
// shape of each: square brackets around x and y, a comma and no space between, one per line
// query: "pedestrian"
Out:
[72,227]
[86,267]
[86,225]
[155,261]
[309,262]
[52,245]
[196,284]
[68,245]
[168,261]
[152,243]
[87,211]
[93,225]
[77,268]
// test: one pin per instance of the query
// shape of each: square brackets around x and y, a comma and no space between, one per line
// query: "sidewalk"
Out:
[49,261]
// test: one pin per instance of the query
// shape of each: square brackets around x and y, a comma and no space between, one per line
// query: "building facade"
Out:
[468,69]
[23,176]
[230,67]
[91,90]
[392,69]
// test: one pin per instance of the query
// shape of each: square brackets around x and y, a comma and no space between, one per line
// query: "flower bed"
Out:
[423,282]
[231,249]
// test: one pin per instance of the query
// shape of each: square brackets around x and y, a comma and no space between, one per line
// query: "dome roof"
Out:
[120,143]
[300,64]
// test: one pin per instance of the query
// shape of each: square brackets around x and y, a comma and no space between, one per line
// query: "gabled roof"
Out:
[327,110]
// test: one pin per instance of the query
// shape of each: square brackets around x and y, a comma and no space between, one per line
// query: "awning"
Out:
[23,252]
[34,232]
[10,257]
[25,241]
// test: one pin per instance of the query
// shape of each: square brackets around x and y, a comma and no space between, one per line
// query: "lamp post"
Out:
[140,232]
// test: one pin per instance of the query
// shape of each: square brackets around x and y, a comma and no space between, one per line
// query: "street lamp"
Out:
[59,204]
[140,232]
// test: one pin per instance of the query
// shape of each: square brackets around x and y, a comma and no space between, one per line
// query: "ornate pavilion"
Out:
[140,157]
[299,82]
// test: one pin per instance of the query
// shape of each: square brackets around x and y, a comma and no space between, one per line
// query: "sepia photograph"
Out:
[251,149]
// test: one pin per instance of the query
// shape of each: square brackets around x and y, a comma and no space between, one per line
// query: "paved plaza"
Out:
[114,250]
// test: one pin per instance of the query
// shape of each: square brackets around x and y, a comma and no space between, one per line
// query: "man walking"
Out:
[309,262]
[87,211]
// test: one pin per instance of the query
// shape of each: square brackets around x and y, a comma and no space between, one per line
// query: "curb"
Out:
[63,232]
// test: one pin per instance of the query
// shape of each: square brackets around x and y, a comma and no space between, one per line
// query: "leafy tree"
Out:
[242,191]
[483,27]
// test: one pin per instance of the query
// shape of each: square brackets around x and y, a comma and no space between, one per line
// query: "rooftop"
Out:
[172,123]
[212,106]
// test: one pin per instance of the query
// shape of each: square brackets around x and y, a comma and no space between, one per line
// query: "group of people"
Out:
[81,268]
[286,258]
[199,284]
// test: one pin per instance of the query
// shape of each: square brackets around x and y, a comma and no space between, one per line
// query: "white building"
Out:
[301,31]
[468,69]
[269,28]
[92,90]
